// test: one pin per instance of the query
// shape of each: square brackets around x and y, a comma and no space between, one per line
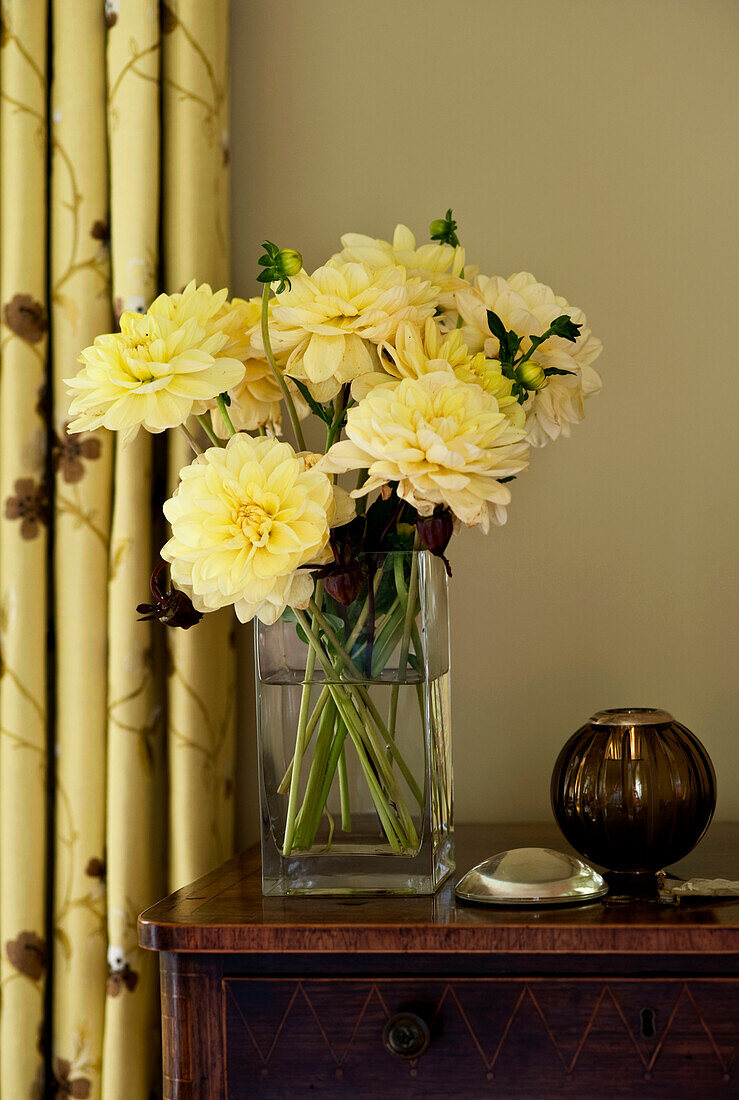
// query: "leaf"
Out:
[335,623]
[497,328]
[564,327]
[383,518]
[319,410]
[508,340]
[556,370]
[514,343]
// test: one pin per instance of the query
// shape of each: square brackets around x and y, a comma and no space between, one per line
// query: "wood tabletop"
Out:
[225,912]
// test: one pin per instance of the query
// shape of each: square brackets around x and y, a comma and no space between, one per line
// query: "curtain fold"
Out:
[201,691]
[80,309]
[135,719]
[141,795]
[23,542]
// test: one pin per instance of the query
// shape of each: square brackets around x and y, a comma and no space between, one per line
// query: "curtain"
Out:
[116,741]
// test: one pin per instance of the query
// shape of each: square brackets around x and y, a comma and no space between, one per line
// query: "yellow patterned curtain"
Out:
[116,749]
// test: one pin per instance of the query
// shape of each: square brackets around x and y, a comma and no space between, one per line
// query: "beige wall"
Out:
[595,144]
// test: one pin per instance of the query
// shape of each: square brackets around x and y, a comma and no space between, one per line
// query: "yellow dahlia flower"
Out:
[153,373]
[245,518]
[441,440]
[528,308]
[212,311]
[416,354]
[439,264]
[255,401]
[329,324]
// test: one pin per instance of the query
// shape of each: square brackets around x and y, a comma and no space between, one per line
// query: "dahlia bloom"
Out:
[528,308]
[153,373]
[255,401]
[441,441]
[439,264]
[212,311]
[328,325]
[245,518]
[417,353]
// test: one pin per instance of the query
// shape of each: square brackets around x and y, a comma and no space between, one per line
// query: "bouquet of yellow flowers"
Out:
[431,382]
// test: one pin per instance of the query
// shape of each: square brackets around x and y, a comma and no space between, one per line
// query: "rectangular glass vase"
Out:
[354,727]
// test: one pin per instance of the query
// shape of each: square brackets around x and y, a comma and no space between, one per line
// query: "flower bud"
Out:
[435,531]
[171,607]
[444,230]
[531,375]
[343,584]
[279,264]
[289,262]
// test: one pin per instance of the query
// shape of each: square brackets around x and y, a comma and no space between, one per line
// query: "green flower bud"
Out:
[279,264]
[289,261]
[531,375]
[444,230]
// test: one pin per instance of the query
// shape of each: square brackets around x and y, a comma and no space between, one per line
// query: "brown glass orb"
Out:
[633,791]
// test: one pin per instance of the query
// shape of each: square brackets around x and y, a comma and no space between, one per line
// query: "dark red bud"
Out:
[436,531]
[171,607]
[343,584]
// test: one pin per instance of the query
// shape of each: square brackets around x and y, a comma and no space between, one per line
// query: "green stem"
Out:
[292,804]
[356,731]
[224,413]
[338,419]
[190,439]
[312,807]
[361,501]
[323,697]
[539,341]
[336,751]
[387,638]
[346,812]
[367,703]
[359,733]
[207,428]
[321,701]
[410,608]
[277,372]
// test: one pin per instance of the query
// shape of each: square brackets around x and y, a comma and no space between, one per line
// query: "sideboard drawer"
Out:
[488,1037]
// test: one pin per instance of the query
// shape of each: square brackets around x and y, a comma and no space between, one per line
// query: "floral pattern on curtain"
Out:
[116,741]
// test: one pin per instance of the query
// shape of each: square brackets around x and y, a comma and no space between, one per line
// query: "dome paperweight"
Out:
[533,877]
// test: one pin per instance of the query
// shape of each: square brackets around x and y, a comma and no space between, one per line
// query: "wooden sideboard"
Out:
[425,997]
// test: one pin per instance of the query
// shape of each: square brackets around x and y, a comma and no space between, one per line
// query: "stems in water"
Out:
[410,610]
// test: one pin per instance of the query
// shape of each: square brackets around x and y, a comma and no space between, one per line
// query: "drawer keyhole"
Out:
[646,1023]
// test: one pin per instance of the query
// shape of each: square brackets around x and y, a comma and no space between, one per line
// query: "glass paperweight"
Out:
[531,876]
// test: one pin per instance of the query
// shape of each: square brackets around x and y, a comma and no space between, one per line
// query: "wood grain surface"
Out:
[532,1038]
[224,912]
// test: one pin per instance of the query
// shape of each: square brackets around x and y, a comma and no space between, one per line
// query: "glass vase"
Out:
[353,711]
